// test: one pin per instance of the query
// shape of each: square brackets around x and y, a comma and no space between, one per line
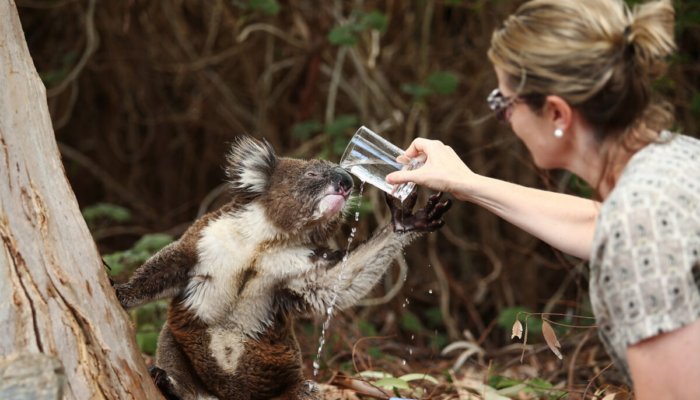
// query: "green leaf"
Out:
[152,242]
[269,7]
[500,382]
[366,207]
[392,383]
[507,316]
[439,340]
[411,323]
[114,261]
[443,82]
[418,377]
[374,20]
[367,329]
[375,352]
[343,35]
[107,211]
[51,78]
[417,91]
[342,124]
[580,187]
[539,383]
[339,145]
[143,249]
[304,130]
[375,374]
[434,316]
[695,103]
[506,319]
[513,391]
[147,341]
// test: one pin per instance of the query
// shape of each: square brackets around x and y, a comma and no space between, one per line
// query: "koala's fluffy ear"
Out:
[251,162]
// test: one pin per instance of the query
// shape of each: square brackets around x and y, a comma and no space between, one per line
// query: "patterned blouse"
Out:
[645,259]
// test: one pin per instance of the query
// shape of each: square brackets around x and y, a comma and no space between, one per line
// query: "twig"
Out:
[210,197]
[214,25]
[572,363]
[496,262]
[69,106]
[271,30]
[590,382]
[333,88]
[450,323]
[562,288]
[92,42]
[357,343]
[395,289]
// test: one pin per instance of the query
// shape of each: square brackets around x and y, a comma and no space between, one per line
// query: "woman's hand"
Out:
[443,170]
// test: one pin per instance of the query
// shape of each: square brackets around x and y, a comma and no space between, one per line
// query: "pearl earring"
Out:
[558,133]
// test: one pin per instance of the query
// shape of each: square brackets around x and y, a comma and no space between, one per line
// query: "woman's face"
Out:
[535,129]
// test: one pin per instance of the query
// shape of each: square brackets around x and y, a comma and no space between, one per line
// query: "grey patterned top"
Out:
[645,259]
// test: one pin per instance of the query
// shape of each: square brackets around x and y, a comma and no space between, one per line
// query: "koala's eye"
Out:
[312,174]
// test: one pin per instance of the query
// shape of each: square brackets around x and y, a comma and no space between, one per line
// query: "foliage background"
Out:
[146,96]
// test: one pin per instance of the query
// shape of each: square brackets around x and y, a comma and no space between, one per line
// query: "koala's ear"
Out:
[250,163]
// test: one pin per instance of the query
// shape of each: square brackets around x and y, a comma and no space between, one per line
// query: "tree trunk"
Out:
[55,297]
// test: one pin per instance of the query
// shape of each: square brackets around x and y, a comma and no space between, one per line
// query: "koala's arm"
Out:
[163,275]
[351,280]
[348,281]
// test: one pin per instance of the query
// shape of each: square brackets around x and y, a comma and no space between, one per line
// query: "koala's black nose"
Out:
[342,180]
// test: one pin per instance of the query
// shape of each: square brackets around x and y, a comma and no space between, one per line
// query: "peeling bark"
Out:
[55,297]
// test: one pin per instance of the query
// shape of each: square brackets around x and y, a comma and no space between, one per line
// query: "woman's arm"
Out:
[565,222]
[667,366]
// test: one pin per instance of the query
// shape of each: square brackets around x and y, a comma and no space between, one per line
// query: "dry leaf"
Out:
[517,330]
[610,396]
[551,338]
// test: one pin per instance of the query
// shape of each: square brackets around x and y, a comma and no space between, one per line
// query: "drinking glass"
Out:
[371,158]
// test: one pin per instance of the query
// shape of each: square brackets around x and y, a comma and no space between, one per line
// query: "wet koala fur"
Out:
[240,275]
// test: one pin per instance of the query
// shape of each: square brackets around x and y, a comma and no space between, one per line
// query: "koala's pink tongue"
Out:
[332,204]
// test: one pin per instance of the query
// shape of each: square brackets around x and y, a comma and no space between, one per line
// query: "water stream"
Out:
[329,310]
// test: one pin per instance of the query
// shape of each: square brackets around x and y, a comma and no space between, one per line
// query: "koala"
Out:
[239,276]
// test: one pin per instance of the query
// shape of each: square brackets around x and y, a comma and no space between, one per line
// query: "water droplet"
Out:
[403,362]
[430,291]
[413,337]
[410,351]
[325,255]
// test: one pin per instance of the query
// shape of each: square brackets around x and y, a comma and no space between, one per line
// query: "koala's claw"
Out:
[426,219]
[307,390]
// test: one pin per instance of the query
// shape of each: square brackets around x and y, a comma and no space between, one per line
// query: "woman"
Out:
[574,83]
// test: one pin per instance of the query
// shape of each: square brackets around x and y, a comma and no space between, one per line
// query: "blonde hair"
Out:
[598,55]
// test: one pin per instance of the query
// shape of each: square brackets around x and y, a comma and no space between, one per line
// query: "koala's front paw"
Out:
[163,383]
[426,219]
[307,390]
[123,292]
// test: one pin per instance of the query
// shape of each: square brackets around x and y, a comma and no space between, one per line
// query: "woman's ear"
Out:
[559,111]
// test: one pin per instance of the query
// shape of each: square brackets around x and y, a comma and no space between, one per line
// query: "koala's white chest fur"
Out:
[232,283]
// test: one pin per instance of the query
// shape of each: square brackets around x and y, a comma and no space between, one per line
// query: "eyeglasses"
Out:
[500,104]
